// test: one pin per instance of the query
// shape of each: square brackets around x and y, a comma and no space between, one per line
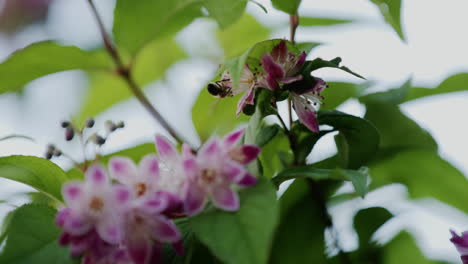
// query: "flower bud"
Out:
[89,122]
[110,126]
[69,133]
[65,124]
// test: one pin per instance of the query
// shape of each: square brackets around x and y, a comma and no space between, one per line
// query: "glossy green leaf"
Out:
[307,47]
[212,115]
[338,92]
[300,235]
[367,222]
[43,58]
[39,173]
[137,23]
[225,12]
[404,246]
[358,178]
[32,237]
[392,96]
[425,174]
[242,35]
[391,11]
[107,88]
[397,131]
[266,134]
[454,83]
[288,6]
[244,236]
[321,21]
[310,66]
[274,154]
[361,136]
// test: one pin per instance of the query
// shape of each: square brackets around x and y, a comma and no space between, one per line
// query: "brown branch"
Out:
[125,73]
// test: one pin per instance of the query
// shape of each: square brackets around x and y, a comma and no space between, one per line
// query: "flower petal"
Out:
[139,249]
[247,180]
[291,79]
[77,225]
[165,231]
[191,168]
[233,138]
[109,230]
[247,98]
[121,194]
[72,192]
[211,150]
[123,169]
[96,176]
[194,200]
[271,67]
[244,154]
[233,171]
[166,150]
[149,167]
[306,114]
[280,51]
[187,151]
[225,198]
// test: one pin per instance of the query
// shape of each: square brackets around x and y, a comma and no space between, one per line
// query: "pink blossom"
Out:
[281,67]
[218,165]
[94,204]
[247,85]
[461,243]
[305,104]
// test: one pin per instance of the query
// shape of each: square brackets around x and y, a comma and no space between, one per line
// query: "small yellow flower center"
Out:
[140,189]
[96,204]
[208,176]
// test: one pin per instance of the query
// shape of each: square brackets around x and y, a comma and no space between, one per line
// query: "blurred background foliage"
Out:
[175,48]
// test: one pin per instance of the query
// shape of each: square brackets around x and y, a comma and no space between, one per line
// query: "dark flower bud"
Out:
[65,124]
[57,153]
[120,124]
[89,123]
[98,140]
[48,155]
[69,133]
[111,127]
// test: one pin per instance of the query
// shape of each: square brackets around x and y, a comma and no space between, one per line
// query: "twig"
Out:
[125,73]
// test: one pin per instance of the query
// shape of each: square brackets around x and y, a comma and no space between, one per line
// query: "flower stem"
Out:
[125,73]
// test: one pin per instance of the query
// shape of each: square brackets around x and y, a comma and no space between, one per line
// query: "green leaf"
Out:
[300,235]
[425,174]
[263,108]
[214,115]
[32,237]
[397,131]
[274,154]
[242,35]
[361,136]
[225,12]
[454,83]
[358,178]
[43,58]
[288,6]
[390,10]
[338,92]
[137,23]
[307,47]
[310,66]
[321,21]
[266,134]
[244,236]
[367,222]
[404,246]
[107,88]
[39,173]
[392,96]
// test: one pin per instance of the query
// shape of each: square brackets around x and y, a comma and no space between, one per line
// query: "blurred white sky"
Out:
[435,49]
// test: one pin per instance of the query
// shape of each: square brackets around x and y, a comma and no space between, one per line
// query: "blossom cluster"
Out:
[124,213]
[278,68]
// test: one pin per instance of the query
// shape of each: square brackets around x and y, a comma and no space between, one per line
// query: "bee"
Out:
[219,88]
